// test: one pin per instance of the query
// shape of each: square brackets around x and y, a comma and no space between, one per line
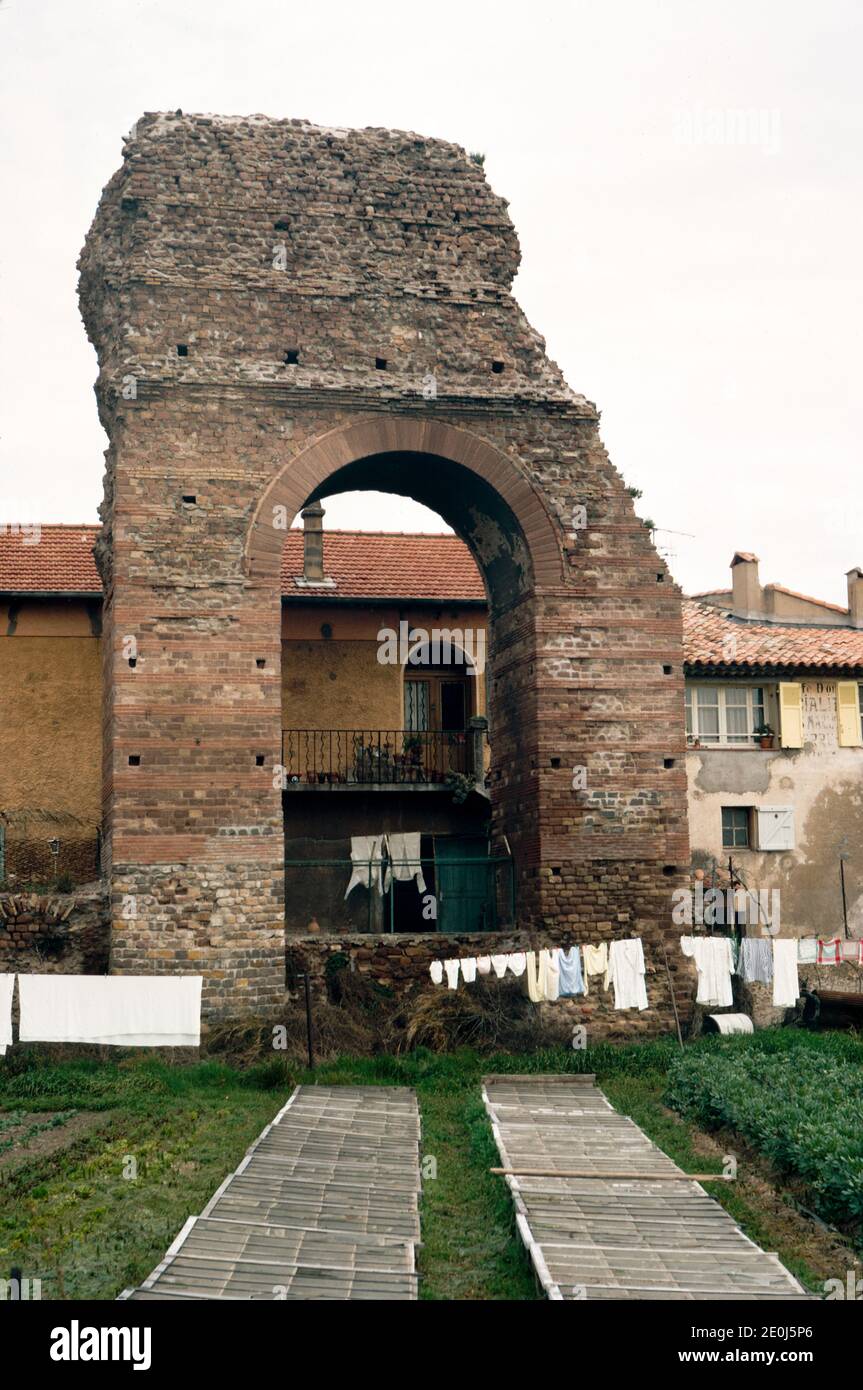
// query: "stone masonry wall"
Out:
[280,310]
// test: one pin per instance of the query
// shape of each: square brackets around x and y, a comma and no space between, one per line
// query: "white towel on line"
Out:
[517,962]
[452,968]
[7,987]
[436,971]
[500,963]
[114,1010]
[468,969]
[483,964]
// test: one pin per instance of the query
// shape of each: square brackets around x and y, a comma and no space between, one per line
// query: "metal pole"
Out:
[309,1022]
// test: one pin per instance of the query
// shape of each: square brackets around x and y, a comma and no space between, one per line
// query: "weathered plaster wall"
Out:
[824,784]
[50,738]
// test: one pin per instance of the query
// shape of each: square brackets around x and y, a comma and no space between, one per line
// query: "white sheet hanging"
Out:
[366,854]
[786,985]
[714,961]
[404,860]
[7,988]
[626,973]
[114,1010]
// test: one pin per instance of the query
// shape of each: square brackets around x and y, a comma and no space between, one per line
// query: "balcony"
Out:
[382,757]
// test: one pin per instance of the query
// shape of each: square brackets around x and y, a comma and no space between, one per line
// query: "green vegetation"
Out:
[803,1110]
[95,1216]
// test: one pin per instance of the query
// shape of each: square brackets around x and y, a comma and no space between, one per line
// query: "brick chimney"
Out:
[855,597]
[313,543]
[746,589]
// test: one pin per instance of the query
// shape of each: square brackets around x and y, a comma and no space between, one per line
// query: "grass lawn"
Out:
[102,1162]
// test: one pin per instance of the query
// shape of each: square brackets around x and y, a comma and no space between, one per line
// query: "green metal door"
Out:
[465,896]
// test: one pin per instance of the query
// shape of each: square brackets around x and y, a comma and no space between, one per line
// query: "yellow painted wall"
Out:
[50,735]
[336,681]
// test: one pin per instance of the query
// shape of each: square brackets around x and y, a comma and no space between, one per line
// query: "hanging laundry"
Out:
[786,986]
[7,987]
[115,1010]
[517,963]
[366,855]
[452,968]
[595,963]
[483,964]
[436,971]
[830,952]
[531,978]
[468,969]
[571,977]
[756,960]
[404,860]
[807,950]
[499,963]
[626,973]
[548,975]
[852,952]
[714,962]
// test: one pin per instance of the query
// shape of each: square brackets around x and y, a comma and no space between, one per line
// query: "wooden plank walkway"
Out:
[325,1204]
[638,1237]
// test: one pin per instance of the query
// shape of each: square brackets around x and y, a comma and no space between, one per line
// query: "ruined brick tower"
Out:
[281,312]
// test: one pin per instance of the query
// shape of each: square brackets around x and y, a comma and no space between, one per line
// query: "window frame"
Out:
[736,811]
[756,712]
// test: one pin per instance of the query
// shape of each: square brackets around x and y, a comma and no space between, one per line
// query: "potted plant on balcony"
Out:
[765,735]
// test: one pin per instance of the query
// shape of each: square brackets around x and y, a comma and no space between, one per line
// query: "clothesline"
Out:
[761,960]
[557,973]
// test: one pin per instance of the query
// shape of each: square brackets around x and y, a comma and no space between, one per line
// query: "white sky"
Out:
[702,285]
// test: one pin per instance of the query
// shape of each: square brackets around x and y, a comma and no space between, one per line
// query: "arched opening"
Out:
[388,708]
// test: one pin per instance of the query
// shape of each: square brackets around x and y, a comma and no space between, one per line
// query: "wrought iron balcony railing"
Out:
[376,757]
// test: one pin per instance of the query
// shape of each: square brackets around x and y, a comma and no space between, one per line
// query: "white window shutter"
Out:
[775,827]
[791,714]
[848,714]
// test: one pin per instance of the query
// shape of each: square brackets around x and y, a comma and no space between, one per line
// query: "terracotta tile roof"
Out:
[364,564]
[388,564]
[707,634]
[391,564]
[60,561]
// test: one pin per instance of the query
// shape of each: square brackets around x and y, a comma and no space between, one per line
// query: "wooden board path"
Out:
[603,1236]
[325,1204]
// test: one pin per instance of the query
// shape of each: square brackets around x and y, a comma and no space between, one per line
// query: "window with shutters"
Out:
[726,714]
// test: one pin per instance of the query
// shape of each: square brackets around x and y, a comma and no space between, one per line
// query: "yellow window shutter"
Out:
[848,714]
[791,714]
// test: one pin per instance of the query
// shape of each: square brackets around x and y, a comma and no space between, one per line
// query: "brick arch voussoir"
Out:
[310,468]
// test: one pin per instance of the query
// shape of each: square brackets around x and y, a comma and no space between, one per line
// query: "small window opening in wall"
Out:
[133,662]
[182,349]
[497,368]
[669,870]
[134,759]
[292,357]
[380,364]
[260,662]
[259,760]
[555,762]
[190,498]
[666,670]
[660,579]
[668,762]
[555,871]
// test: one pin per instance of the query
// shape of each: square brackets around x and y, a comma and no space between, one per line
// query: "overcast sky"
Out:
[695,273]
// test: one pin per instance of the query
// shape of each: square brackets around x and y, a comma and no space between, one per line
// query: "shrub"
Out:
[803,1111]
